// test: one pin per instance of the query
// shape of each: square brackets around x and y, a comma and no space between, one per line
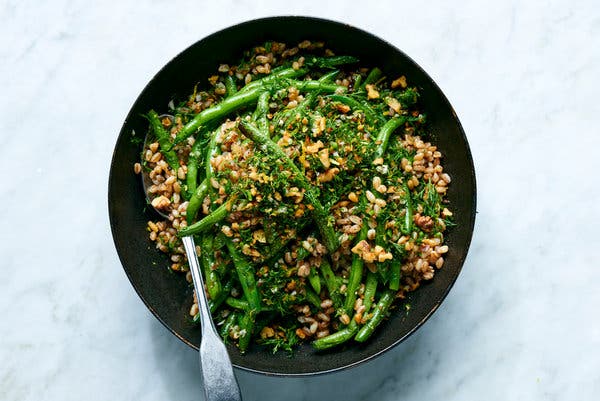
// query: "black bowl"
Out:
[168,296]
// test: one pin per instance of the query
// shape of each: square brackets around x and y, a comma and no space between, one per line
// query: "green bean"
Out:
[395,275]
[370,289]
[330,62]
[370,115]
[312,297]
[229,323]
[211,278]
[246,275]
[163,138]
[321,216]
[333,286]
[408,216]
[384,134]
[315,86]
[356,273]
[262,108]
[215,303]
[191,177]
[337,338]
[381,309]
[218,111]
[372,77]
[315,280]
[357,82]
[230,85]
[209,221]
[274,77]
[196,201]
[246,325]
[242,304]
[237,303]
[210,151]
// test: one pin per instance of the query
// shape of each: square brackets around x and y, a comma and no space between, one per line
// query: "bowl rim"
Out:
[472,176]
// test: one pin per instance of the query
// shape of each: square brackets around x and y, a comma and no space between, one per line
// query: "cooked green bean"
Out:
[395,275]
[373,76]
[370,289]
[196,201]
[384,134]
[337,338]
[246,275]
[356,273]
[330,62]
[313,298]
[192,166]
[381,310]
[315,280]
[230,85]
[370,115]
[262,108]
[211,278]
[214,304]
[231,321]
[209,221]
[333,286]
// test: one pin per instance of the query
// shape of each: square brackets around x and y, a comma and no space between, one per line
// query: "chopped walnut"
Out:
[424,222]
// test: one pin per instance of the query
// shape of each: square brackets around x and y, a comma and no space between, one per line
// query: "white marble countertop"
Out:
[522,321]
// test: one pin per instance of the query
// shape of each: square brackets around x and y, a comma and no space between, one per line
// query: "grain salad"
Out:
[311,187]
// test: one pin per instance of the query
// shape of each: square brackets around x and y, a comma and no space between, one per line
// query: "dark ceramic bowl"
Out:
[168,296]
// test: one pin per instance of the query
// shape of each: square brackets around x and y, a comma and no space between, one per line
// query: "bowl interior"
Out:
[168,296]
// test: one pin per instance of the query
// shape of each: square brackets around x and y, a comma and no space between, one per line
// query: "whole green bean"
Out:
[315,280]
[380,312]
[209,221]
[356,273]
[262,109]
[372,77]
[246,324]
[395,275]
[196,201]
[336,338]
[229,323]
[312,297]
[274,77]
[357,82]
[215,303]
[191,177]
[230,85]
[330,62]
[370,289]
[333,286]
[218,111]
[315,86]
[210,151]
[370,115]
[211,278]
[321,216]
[247,277]
[237,303]
[309,99]
[242,304]
[383,137]
[163,138]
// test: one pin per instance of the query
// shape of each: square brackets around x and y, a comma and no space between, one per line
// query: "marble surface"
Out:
[521,323]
